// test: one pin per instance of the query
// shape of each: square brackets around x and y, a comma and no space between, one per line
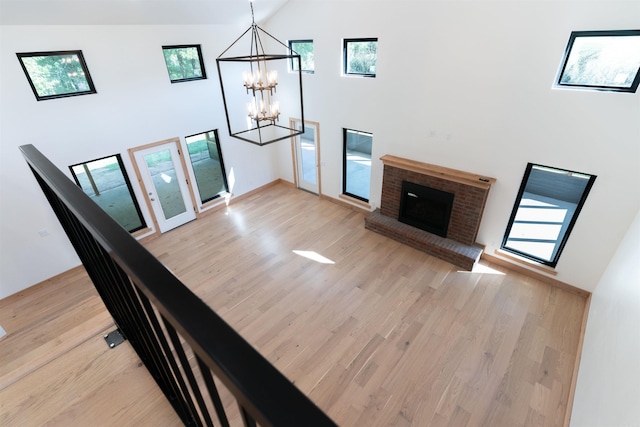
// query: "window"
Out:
[57,74]
[106,182]
[360,57]
[208,167]
[601,60]
[184,63]
[548,204]
[304,48]
[356,168]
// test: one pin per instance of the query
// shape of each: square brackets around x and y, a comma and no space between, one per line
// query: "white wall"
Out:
[468,85]
[135,105]
[608,388]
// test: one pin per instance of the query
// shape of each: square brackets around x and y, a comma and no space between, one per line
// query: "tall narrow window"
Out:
[547,206]
[304,48]
[106,181]
[360,57]
[184,63]
[601,60]
[208,168]
[57,74]
[356,168]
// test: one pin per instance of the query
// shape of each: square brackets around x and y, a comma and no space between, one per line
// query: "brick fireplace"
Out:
[470,192]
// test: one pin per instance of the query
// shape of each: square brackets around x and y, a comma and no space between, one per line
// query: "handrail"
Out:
[134,285]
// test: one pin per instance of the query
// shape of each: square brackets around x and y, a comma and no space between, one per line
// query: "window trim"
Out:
[143,225]
[553,262]
[215,198]
[200,59]
[344,165]
[345,42]
[567,53]
[83,64]
[291,50]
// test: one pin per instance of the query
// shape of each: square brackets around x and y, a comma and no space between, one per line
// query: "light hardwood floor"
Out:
[384,335]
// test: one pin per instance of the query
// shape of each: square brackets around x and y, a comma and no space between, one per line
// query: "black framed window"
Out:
[304,48]
[205,155]
[601,60]
[184,63]
[57,74]
[105,180]
[545,211]
[360,57]
[356,164]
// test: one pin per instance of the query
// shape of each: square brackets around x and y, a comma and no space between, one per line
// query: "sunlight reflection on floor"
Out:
[314,256]
[479,268]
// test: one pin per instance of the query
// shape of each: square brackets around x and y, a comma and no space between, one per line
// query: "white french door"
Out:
[165,184]
[307,156]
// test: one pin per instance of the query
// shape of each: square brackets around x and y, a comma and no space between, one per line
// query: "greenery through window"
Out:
[360,56]
[601,60]
[208,168]
[184,63]
[56,74]
[106,182]
[545,212]
[356,167]
[304,48]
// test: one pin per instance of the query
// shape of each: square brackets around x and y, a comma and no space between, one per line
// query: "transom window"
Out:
[356,168]
[360,56]
[106,182]
[601,60]
[184,63]
[545,211]
[57,74]
[208,168]
[304,48]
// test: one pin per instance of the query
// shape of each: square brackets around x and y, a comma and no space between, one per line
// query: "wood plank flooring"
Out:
[380,335]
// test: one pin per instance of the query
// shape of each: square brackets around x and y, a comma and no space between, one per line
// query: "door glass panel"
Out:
[308,154]
[163,173]
[357,163]
[206,159]
[105,180]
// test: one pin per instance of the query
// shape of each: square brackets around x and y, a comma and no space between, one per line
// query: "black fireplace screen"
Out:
[425,208]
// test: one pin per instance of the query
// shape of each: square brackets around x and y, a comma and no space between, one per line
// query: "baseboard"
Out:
[21,293]
[534,274]
[255,191]
[576,364]
[344,204]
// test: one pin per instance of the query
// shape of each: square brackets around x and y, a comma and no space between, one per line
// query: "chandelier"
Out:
[259,88]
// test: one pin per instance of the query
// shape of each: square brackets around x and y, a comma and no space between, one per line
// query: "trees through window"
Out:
[304,48]
[184,63]
[360,56]
[57,74]
[601,60]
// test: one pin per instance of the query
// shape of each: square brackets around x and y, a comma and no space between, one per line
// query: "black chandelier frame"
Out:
[258,59]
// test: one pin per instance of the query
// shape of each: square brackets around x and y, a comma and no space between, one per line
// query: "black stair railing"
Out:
[166,323]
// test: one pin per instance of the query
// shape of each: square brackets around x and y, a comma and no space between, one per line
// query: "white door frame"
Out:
[145,180]
[297,163]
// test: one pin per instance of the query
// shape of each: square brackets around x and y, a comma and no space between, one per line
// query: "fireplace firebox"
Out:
[426,208]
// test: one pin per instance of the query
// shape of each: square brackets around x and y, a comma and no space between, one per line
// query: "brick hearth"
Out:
[470,195]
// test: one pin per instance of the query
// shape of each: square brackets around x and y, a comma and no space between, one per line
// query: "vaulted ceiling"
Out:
[134,12]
